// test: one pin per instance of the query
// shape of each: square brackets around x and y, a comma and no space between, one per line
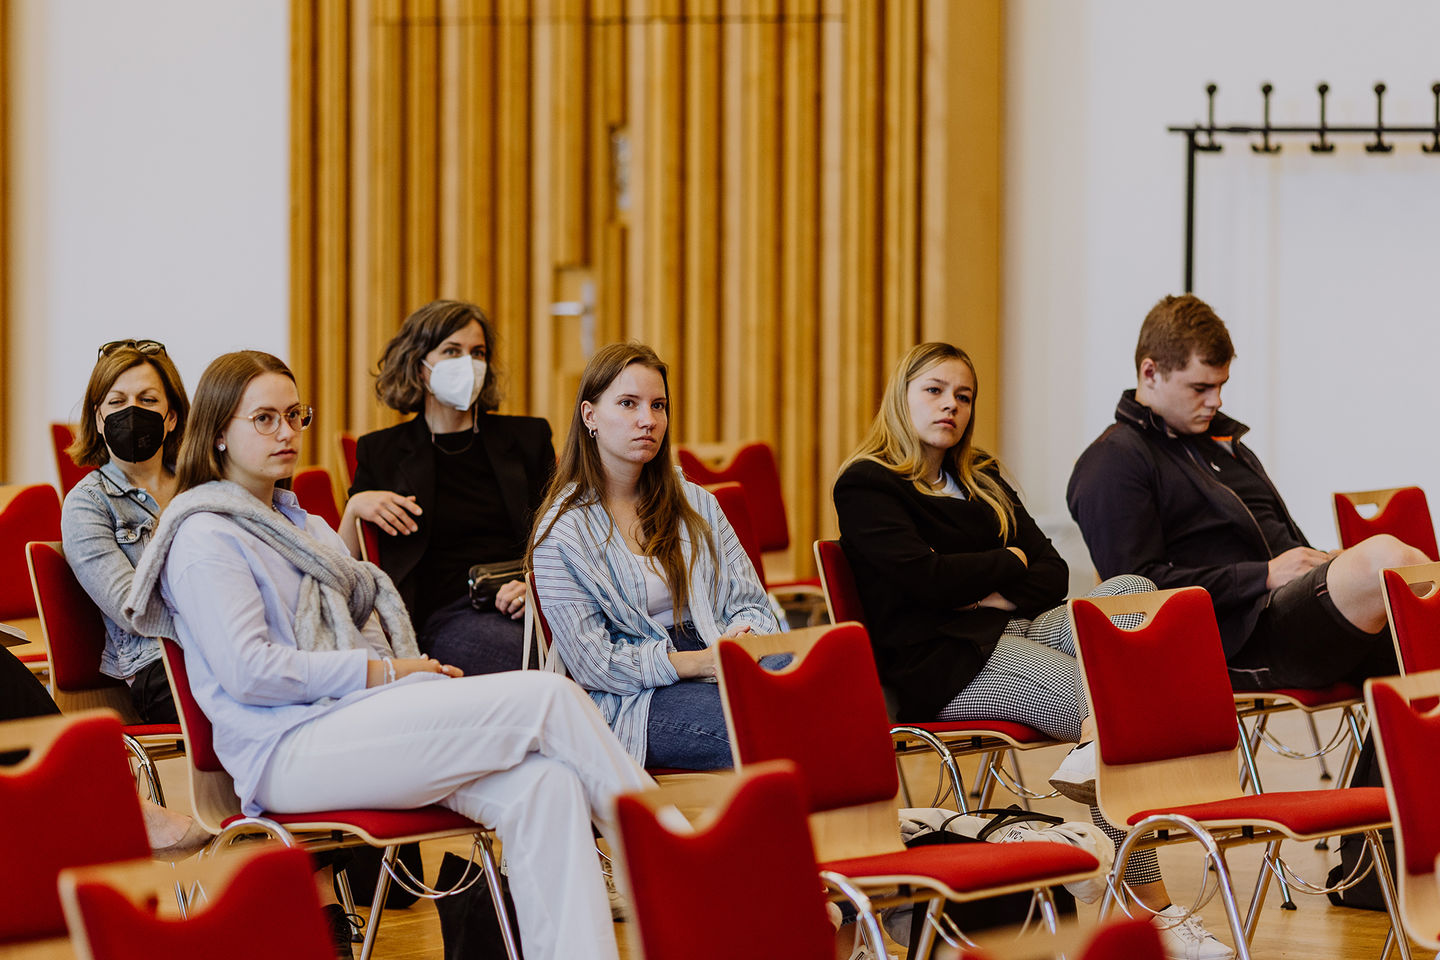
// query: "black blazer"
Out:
[402,458]
[919,560]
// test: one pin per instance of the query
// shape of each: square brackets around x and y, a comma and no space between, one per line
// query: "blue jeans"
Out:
[476,642]
[686,729]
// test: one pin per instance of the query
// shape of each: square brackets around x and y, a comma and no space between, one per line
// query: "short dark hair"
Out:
[1178,328]
[398,383]
[89,448]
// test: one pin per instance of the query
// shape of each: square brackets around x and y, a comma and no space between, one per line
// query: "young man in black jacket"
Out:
[1169,492]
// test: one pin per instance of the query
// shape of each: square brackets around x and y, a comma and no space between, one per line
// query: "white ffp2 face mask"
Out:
[456,382]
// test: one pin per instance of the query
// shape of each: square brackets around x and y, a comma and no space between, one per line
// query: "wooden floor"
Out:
[1315,931]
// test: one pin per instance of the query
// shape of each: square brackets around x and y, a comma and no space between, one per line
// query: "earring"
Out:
[592,433]
[220,447]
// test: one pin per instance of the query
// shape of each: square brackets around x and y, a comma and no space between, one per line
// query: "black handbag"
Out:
[469,925]
[487,578]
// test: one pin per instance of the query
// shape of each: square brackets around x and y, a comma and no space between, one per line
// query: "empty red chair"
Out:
[1401,512]
[316,492]
[1406,722]
[256,904]
[735,506]
[71,473]
[27,512]
[1128,939]
[71,802]
[757,817]
[1414,616]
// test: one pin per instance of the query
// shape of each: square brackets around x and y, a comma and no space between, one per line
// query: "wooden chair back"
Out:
[837,580]
[1401,512]
[315,490]
[736,507]
[70,473]
[70,802]
[1412,605]
[1405,719]
[753,466]
[825,713]
[259,903]
[744,819]
[27,512]
[74,633]
[212,789]
[1160,694]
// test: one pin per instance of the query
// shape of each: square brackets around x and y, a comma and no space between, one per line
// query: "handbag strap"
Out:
[1001,817]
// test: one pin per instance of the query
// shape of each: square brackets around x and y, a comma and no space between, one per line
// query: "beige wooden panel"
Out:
[961,170]
[780,195]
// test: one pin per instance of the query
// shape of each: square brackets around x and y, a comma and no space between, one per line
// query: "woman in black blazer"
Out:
[963,594]
[454,486]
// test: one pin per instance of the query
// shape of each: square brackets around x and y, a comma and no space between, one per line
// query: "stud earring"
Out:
[220,447]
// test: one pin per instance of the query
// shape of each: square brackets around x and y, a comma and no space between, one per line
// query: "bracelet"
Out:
[389,669]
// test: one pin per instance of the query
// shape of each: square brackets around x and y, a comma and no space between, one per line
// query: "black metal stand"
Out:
[1194,144]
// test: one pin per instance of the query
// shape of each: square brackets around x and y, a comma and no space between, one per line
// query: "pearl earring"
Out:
[220,447]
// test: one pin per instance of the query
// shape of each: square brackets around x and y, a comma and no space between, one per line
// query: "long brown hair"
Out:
[893,443]
[89,448]
[218,396]
[579,479]
[399,384]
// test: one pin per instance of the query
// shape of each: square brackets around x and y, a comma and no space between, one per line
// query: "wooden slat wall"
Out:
[780,196]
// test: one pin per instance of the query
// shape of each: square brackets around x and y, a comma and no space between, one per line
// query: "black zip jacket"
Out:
[920,562]
[1146,504]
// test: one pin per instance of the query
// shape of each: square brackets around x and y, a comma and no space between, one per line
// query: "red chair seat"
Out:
[1016,733]
[1308,699]
[1304,813]
[970,867]
[381,825]
[812,583]
[671,771]
[154,730]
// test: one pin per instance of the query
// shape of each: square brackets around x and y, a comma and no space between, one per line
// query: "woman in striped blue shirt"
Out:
[639,572]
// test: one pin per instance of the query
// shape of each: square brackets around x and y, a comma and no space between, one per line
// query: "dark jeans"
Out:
[1302,640]
[150,692]
[686,729]
[477,642]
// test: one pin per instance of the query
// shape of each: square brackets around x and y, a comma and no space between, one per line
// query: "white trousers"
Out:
[526,753]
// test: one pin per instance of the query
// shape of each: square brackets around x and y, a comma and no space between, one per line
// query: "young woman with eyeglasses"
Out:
[305,662]
[131,421]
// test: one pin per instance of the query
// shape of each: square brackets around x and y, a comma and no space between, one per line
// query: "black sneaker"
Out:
[343,929]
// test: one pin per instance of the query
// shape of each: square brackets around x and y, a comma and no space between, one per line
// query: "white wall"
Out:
[1324,266]
[150,192]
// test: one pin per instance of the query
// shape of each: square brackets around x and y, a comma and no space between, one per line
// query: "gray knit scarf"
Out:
[337,593]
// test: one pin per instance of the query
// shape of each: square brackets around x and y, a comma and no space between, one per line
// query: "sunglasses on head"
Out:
[147,347]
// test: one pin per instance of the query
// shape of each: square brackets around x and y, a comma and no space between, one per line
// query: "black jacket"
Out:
[918,561]
[1146,504]
[402,458]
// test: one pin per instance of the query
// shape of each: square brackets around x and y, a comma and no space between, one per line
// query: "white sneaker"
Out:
[1075,777]
[1188,939]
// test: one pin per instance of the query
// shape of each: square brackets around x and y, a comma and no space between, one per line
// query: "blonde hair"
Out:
[663,507]
[893,443]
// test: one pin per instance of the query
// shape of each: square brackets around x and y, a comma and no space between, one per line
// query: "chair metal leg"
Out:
[1315,739]
[347,895]
[1387,889]
[1047,909]
[377,905]
[1248,741]
[497,896]
[147,769]
[1262,885]
[926,943]
[982,776]
[865,916]
[947,763]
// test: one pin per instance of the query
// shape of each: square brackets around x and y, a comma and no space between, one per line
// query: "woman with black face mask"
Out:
[132,418]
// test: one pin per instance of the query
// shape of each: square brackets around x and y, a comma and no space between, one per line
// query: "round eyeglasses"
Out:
[266,422]
[147,347]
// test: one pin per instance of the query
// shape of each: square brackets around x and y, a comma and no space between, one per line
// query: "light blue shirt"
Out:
[105,525]
[233,599]
[592,592]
